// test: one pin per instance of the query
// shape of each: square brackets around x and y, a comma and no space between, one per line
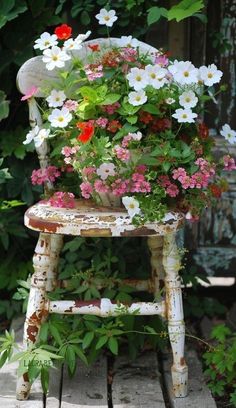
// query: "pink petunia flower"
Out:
[86,189]
[30,92]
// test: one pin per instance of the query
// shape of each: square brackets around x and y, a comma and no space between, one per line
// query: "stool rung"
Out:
[105,307]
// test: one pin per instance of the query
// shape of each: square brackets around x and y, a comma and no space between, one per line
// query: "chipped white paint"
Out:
[155,245]
[56,243]
[174,308]
[104,308]
[36,312]
[87,216]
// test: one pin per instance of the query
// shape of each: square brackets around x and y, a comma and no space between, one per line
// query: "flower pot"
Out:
[108,199]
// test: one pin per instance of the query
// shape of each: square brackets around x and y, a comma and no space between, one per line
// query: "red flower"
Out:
[215,190]
[63,32]
[94,47]
[145,117]
[159,125]
[113,126]
[87,131]
[203,131]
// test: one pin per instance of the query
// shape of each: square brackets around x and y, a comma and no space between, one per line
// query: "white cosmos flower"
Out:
[131,205]
[156,75]
[228,133]
[136,136]
[70,45]
[188,99]
[56,98]
[106,17]
[137,98]
[60,117]
[128,41]
[82,37]
[41,136]
[45,41]
[105,170]
[184,115]
[55,57]
[169,101]
[137,78]
[210,75]
[184,72]
[31,135]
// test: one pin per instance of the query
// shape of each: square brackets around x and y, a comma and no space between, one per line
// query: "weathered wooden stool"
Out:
[89,220]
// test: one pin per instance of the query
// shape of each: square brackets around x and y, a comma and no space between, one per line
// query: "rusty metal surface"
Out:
[90,220]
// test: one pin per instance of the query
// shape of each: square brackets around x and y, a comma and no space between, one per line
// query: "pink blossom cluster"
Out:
[93,71]
[161,59]
[112,108]
[139,184]
[100,186]
[120,187]
[71,105]
[41,176]
[102,122]
[121,153]
[89,171]
[170,188]
[229,163]
[86,189]
[129,54]
[62,200]
[200,179]
[67,151]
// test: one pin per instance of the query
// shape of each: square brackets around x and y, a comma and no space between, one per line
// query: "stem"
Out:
[108,35]
[179,129]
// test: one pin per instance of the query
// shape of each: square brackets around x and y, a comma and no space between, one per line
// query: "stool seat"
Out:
[90,220]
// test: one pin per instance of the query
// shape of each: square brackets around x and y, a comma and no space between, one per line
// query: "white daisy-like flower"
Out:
[106,17]
[56,98]
[184,115]
[41,137]
[228,133]
[128,41]
[82,37]
[184,72]
[131,205]
[31,135]
[55,57]
[45,41]
[60,117]
[70,45]
[156,75]
[105,170]
[188,99]
[136,136]
[210,75]
[170,101]
[137,78]
[137,98]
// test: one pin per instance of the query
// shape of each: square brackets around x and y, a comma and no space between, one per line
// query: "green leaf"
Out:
[150,108]
[84,18]
[3,358]
[70,358]
[113,345]
[45,379]
[55,333]
[184,9]
[220,332]
[88,338]
[101,342]
[155,13]
[88,93]
[10,9]
[111,98]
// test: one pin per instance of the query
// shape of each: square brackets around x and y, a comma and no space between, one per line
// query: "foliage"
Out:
[220,361]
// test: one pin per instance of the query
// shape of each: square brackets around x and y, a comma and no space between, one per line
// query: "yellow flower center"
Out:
[131,205]
[210,75]
[187,99]
[138,98]
[153,75]
[138,78]
[184,116]
[107,18]
[46,43]
[60,119]
[186,73]
[55,58]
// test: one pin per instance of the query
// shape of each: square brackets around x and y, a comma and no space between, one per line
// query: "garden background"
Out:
[209,36]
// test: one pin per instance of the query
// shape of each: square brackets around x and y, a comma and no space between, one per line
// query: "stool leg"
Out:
[175,317]
[36,311]
[56,243]
[155,245]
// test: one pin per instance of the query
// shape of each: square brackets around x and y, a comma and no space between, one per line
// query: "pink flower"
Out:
[205,166]
[172,190]
[93,71]
[229,163]
[86,189]
[161,60]
[120,187]
[100,186]
[68,151]
[62,200]
[71,105]
[186,182]
[200,180]
[89,171]
[102,122]
[141,168]
[30,92]
[164,180]
[129,54]
[126,140]
[121,153]
[179,173]
[40,176]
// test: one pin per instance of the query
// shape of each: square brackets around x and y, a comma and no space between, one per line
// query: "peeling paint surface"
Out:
[88,219]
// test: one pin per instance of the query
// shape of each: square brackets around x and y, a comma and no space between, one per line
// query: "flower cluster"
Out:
[125,121]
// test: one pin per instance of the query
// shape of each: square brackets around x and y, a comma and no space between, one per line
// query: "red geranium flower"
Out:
[87,131]
[94,47]
[215,190]
[63,32]
[161,124]
[145,117]
[113,126]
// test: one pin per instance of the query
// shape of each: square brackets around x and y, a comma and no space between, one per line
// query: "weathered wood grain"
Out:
[88,388]
[199,395]
[137,383]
